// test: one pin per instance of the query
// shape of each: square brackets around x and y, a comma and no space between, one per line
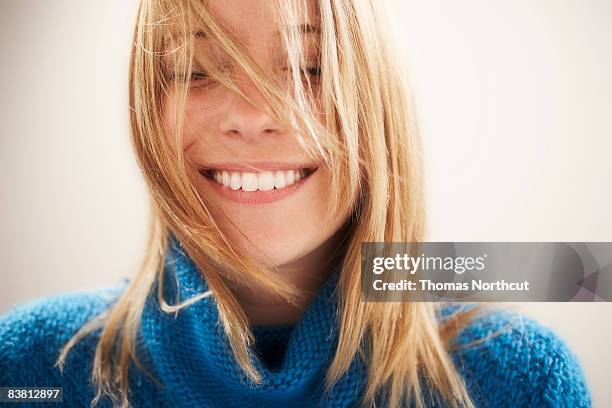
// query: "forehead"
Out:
[253,20]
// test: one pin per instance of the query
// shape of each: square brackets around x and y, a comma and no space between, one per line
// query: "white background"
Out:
[515,107]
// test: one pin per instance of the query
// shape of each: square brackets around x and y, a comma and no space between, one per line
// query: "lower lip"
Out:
[258,197]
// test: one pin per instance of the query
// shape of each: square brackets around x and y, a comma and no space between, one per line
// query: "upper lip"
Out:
[243,166]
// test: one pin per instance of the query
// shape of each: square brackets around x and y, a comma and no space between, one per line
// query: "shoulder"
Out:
[33,334]
[508,359]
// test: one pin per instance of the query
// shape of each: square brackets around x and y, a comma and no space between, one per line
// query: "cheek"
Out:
[199,114]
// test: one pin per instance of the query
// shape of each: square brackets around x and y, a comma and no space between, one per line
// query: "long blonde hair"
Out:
[370,141]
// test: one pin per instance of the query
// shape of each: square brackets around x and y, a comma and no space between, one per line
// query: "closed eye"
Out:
[313,71]
[199,75]
[182,77]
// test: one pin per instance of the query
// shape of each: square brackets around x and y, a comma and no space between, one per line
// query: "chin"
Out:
[274,252]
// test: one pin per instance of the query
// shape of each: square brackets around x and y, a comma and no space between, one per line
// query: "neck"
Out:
[307,274]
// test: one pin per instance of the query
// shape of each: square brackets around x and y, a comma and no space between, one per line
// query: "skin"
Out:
[297,234]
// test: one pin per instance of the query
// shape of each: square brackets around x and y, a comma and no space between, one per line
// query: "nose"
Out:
[240,118]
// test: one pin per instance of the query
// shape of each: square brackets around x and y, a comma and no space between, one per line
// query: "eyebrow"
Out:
[302,28]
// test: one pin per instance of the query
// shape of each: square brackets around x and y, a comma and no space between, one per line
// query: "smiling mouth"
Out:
[250,181]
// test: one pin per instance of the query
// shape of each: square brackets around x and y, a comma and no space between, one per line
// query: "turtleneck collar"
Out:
[189,351]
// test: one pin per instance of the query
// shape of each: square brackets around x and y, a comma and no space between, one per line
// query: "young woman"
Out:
[275,137]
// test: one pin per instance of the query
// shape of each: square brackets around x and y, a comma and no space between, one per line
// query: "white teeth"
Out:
[249,181]
[264,181]
[235,181]
[279,179]
[290,177]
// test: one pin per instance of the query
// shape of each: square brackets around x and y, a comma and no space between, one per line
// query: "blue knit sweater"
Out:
[526,365]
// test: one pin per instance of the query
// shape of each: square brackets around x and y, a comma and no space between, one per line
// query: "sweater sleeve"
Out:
[510,360]
[33,334]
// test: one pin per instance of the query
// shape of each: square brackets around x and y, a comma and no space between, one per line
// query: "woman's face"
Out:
[245,164]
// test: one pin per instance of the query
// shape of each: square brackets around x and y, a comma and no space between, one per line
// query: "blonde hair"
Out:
[370,141]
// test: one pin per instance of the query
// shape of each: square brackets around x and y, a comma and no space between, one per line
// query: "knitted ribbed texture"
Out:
[271,343]
[524,365]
